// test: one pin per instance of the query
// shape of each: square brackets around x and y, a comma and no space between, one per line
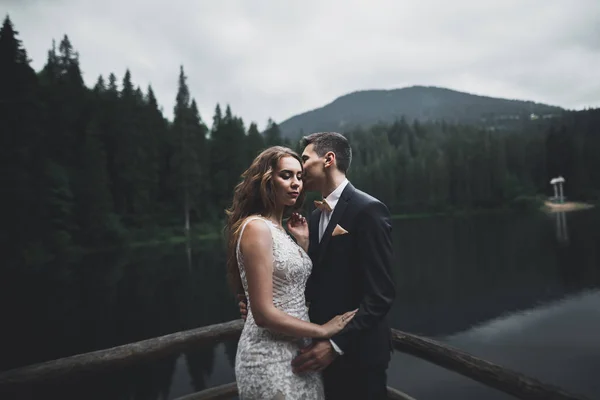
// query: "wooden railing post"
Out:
[492,375]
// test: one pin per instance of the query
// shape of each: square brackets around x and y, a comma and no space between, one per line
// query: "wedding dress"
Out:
[263,367]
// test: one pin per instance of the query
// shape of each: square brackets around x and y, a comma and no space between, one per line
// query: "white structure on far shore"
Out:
[558,188]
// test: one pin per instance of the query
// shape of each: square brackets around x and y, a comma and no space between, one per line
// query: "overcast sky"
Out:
[279,58]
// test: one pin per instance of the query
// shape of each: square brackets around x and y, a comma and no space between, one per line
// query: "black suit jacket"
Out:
[354,270]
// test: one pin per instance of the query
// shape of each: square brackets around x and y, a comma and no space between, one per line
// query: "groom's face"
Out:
[314,169]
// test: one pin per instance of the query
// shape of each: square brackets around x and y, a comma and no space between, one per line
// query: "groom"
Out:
[351,250]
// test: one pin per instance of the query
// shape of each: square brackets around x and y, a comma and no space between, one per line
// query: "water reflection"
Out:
[562,232]
[558,343]
[465,281]
[453,273]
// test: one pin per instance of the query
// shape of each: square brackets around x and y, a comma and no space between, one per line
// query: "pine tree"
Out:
[189,136]
[100,86]
[217,120]
[200,142]
[133,157]
[219,145]
[255,143]
[107,104]
[228,156]
[94,201]
[156,133]
[20,145]
[273,134]
[67,103]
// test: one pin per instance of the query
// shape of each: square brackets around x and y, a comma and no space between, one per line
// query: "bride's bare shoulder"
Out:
[256,230]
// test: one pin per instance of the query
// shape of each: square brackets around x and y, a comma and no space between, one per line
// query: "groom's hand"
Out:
[243,306]
[315,357]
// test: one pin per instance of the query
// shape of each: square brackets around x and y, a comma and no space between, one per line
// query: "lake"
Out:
[522,291]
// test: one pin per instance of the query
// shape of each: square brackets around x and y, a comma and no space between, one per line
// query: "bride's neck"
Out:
[276,217]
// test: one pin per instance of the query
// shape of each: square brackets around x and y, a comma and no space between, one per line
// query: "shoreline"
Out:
[547,207]
[568,206]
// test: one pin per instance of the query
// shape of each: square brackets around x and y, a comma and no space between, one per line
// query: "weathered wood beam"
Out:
[124,355]
[492,375]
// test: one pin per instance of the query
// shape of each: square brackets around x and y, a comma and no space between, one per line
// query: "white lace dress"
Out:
[263,367]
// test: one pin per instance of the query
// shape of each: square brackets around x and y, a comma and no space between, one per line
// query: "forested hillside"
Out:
[426,104]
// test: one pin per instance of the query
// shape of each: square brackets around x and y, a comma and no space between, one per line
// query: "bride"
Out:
[272,269]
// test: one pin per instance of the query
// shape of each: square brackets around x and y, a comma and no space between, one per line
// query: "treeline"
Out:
[441,167]
[90,166]
[86,167]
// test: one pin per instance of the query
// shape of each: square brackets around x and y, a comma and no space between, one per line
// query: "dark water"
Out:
[512,289]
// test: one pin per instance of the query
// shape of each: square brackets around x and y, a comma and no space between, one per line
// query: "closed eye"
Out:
[288,174]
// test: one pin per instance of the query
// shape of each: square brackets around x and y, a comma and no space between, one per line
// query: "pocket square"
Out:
[338,230]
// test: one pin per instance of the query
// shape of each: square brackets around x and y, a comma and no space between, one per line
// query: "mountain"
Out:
[424,103]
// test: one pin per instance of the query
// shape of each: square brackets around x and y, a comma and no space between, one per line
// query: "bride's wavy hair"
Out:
[254,195]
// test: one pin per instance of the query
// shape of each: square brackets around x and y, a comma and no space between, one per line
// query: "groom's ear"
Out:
[329,158]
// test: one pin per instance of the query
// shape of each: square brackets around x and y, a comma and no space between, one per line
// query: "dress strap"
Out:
[252,218]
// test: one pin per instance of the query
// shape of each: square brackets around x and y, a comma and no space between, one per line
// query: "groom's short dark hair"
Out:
[324,142]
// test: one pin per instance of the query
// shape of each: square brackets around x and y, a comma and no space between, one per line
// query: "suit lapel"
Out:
[313,234]
[335,219]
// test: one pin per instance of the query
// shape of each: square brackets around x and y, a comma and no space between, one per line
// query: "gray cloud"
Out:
[276,59]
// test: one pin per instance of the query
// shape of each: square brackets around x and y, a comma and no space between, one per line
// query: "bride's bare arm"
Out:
[256,246]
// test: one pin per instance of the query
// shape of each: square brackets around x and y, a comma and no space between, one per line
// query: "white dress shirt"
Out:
[332,200]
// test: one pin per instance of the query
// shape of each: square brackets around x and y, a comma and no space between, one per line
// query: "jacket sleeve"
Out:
[374,258]
[313,227]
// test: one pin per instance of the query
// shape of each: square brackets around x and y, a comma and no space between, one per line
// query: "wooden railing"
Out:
[489,374]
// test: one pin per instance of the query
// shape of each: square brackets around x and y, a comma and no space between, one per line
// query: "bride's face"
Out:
[287,181]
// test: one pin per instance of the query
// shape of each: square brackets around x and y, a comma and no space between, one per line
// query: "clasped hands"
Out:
[315,357]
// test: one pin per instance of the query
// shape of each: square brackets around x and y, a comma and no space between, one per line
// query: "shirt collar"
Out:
[334,196]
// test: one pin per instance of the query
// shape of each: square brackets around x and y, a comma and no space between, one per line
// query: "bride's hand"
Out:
[337,323]
[298,227]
